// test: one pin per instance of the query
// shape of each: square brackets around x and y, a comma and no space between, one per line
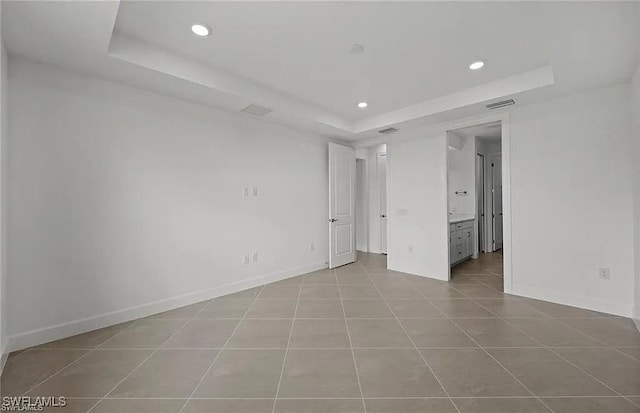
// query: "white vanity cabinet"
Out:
[460,241]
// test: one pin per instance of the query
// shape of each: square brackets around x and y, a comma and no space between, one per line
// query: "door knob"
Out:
[332,220]
[383,216]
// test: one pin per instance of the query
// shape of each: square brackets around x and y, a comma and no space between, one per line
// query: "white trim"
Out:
[489,212]
[57,332]
[448,184]
[506,204]
[381,157]
[365,201]
[580,301]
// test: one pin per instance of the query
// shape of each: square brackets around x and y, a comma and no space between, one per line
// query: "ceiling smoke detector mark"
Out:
[501,104]
[356,48]
[257,110]
[388,131]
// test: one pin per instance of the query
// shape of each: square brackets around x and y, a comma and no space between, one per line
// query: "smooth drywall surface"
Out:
[3,189]
[571,183]
[362,224]
[635,116]
[462,177]
[120,198]
[418,238]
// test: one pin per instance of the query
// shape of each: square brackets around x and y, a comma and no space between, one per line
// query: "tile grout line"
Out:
[503,367]
[221,349]
[142,362]
[452,320]
[495,360]
[353,355]
[186,321]
[405,281]
[286,352]
[552,350]
[354,398]
[412,342]
[89,351]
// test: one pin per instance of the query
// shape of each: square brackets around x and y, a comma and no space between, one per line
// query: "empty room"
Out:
[320,207]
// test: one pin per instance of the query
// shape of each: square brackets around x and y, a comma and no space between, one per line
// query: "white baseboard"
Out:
[409,270]
[57,332]
[588,303]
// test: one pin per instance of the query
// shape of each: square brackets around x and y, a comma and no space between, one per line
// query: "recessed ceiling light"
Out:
[476,65]
[201,30]
[363,105]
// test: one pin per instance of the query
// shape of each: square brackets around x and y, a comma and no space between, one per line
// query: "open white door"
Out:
[382,179]
[496,179]
[342,189]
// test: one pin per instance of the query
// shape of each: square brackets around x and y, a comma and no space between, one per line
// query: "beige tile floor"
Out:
[356,339]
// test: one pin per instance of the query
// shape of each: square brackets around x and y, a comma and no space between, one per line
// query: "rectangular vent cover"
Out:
[257,110]
[387,131]
[501,104]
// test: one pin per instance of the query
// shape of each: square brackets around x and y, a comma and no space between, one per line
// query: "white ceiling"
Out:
[487,132]
[294,56]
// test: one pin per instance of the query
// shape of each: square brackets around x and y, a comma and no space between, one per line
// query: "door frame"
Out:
[381,157]
[481,239]
[505,150]
[365,193]
[489,202]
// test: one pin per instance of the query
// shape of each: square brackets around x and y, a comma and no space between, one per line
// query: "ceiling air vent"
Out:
[257,110]
[501,104]
[388,131]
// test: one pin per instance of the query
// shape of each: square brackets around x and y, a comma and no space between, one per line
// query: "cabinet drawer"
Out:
[458,226]
[458,237]
[467,224]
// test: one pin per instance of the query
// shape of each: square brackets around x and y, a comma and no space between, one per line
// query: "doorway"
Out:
[366,193]
[495,191]
[474,172]
[489,190]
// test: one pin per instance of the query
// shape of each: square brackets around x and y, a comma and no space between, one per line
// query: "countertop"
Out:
[460,218]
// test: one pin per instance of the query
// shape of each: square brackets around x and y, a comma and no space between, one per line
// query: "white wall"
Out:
[418,231]
[635,116]
[121,199]
[362,219]
[462,173]
[571,180]
[3,187]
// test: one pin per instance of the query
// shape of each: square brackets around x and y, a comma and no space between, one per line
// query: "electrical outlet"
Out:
[255,257]
[604,273]
[312,247]
[245,191]
[255,191]
[245,259]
